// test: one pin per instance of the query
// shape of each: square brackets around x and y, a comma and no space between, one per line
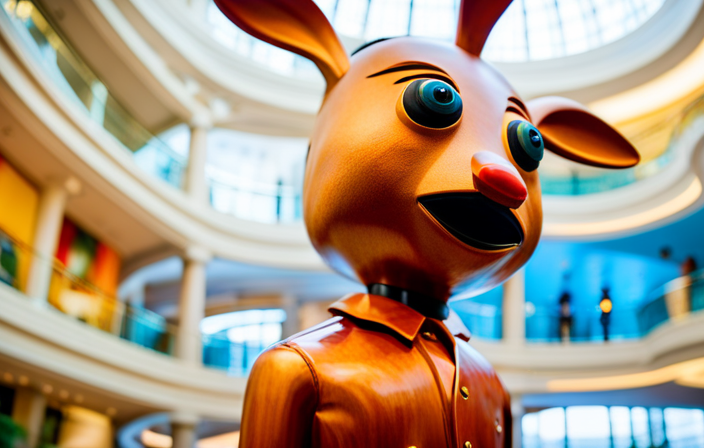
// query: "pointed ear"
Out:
[298,26]
[571,131]
[477,18]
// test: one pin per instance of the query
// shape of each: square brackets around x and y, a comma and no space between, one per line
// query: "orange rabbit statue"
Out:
[421,179]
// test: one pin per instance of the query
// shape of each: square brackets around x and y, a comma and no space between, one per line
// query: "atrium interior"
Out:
[152,237]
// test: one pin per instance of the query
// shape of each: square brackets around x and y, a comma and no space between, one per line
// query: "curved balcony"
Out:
[601,180]
[77,81]
[653,47]
[674,301]
[86,303]
[279,202]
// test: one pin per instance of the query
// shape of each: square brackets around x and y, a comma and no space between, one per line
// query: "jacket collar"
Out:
[394,315]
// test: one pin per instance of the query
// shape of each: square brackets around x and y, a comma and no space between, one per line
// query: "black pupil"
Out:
[534,137]
[442,95]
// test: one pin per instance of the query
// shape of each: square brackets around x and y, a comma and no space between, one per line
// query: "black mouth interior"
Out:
[475,220]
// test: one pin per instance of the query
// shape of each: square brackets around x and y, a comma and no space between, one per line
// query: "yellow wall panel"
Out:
[19,200]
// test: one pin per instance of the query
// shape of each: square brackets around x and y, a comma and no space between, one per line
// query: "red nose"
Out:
[498,180]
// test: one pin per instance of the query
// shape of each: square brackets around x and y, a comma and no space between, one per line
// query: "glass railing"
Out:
[581,183]
[235,358]
[84,302]
[543,324]
[482,320]
[254,201]
[79,83]
[675,300]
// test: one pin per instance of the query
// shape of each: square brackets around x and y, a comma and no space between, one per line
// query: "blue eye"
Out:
[526,144]
[432,103]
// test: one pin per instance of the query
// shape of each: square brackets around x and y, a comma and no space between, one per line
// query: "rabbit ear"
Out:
[298,26]
[477,18]
[571,131]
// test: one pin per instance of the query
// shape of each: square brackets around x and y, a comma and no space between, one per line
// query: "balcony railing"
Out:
[67,70]
[482,320]
[268,203]
[675,300]
[84,302]
[254,201]
[543,324]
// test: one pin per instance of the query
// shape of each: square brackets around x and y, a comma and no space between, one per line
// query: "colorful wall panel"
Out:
[18,213]
[85,282]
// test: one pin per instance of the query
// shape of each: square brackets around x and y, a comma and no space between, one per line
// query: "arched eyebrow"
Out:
[411,65]
[521,108]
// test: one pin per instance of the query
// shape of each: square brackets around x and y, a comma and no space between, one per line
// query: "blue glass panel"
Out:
[641,427]
[482,314]
[685,427]
[588,426]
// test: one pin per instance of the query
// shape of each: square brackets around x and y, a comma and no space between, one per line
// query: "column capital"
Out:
[185,418]
[201,120]
[198,254]
[69,185]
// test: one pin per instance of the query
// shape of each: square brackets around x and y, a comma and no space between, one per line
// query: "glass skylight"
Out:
[529,30]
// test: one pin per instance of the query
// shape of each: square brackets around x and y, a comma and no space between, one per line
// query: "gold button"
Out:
[429,336]
[464,392]
[499,429]
[467,444]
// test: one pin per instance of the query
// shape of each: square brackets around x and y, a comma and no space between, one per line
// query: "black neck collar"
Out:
[425,305]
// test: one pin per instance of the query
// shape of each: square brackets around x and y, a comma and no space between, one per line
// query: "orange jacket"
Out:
[378,375]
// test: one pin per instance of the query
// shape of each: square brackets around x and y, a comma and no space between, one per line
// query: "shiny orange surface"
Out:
[294,25]
[379,375]
[367,168]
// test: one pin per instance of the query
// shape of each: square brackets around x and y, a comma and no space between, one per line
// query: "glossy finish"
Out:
[570,131]
[477,18]
[415,202]
[367,378]
[357,189]
[369,165]
[295,25]
[498,180]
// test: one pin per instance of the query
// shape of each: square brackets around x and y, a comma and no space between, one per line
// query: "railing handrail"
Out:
[216,177]
[84,69]
[679,283]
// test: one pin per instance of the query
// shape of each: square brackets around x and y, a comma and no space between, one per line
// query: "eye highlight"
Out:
[526,144]
[432,103]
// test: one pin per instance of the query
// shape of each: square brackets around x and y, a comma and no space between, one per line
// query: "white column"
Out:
[49,219]
[517,412]
[196,182]
[192,306]
[28,411]
[183,429]
[514,309]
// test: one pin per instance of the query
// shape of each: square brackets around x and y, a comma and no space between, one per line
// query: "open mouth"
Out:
[475,220]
